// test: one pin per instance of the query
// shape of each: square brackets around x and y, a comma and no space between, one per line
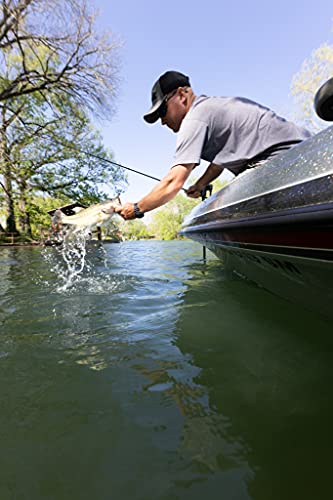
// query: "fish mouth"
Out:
[57,216]
[110,209]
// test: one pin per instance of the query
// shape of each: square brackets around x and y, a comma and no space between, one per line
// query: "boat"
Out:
[274,224]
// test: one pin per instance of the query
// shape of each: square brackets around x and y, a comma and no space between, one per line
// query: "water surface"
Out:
[152,376]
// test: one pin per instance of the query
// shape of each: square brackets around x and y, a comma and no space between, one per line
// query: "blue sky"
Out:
[239,48]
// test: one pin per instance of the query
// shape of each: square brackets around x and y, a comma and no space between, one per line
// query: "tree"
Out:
[167,220]
[38,156]
[37,134]
[313,73]
[39,205]
[76,60]
[134,230]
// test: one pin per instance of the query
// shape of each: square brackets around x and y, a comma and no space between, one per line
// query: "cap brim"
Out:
[152,115]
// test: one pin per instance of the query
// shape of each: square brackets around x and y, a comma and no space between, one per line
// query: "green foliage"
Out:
[38,207]
[134,230]
[218,184]
[167,220]
[56,151]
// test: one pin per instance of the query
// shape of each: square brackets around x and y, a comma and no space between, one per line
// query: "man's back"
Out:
[232,131]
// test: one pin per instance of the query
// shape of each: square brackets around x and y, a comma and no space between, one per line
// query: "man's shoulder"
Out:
[214,104]
[203,107]
[207,101]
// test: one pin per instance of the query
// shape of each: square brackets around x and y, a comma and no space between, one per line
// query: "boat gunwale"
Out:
[278,189]
[298,214]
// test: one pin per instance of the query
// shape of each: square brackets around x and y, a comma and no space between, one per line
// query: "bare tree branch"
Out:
[58,49]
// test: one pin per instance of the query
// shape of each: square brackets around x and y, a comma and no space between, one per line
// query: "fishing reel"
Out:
[207,189]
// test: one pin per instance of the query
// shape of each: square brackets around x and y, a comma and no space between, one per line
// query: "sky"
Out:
[235,48]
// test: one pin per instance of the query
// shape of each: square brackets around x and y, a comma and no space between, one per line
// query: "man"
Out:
[229,132]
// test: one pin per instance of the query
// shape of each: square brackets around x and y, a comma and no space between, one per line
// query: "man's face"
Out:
[176,111]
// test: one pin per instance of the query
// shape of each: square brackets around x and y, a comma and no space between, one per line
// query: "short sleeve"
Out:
[190,142]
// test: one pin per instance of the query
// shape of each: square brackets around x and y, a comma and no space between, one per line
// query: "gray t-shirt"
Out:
[231,131]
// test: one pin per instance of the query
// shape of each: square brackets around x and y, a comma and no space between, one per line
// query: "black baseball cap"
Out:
[166,83]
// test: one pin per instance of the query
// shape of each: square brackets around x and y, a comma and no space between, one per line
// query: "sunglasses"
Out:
[162,110]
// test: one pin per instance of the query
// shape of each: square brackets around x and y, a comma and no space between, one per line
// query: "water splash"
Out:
[70,262]
[73,251]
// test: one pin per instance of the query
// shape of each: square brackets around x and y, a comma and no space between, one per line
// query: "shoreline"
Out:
[21,244]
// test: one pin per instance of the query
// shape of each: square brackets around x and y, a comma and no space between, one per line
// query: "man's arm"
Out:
[212,172]
[165,190]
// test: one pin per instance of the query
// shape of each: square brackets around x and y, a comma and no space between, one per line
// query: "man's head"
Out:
[171,98]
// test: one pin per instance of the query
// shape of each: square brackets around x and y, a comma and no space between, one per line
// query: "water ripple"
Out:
[158,378]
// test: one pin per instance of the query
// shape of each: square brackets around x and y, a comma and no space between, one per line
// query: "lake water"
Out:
[152,376]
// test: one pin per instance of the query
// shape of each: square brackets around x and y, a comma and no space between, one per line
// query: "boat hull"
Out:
[274,225]
[303,280]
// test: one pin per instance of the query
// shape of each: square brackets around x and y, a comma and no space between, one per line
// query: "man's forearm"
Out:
[212,172]
[160,195]
[166,189]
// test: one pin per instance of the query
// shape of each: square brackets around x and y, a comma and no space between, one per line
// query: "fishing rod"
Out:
[203,193]
[123,166]
[101,158]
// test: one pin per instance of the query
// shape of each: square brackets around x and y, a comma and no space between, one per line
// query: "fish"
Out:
[95,215]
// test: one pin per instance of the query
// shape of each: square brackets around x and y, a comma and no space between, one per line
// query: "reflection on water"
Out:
[154,377]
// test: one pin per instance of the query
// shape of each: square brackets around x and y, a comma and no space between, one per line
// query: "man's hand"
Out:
[194,191]
[126,211]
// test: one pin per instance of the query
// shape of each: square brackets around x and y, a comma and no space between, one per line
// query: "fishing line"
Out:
[98,157]
[101,158]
